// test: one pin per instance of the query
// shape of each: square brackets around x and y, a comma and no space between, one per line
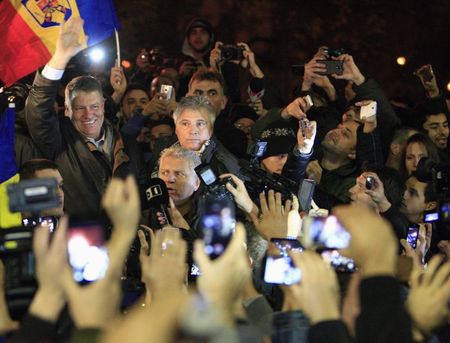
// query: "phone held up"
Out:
[87,251]
[279,268]
[217,220]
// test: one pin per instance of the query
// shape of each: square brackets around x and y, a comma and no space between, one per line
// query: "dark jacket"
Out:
[86,171]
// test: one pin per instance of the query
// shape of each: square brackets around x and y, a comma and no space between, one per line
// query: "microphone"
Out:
[158,197]
[256,89]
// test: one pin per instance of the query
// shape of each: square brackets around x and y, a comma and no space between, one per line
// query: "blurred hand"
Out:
[69,42]
[311,75]
[177,219]
[318,290]
[215,57]
[222,280]
[121,202]
[444,247]
[431,86]
[351,306]
[249,61]
[157,106]
[273,219]
[258,107]
[51,263]
[306,143]
[314,171]
[377,191]
[117,79]
[370,236]
[351,71]
[164,269]
[429,294]
[240,193]
[187,68]
[296,109]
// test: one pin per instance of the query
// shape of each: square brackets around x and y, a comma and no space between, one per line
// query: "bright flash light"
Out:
[448,86]
[97,54]
[401,60]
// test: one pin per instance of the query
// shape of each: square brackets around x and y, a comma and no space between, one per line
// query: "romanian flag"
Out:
[8,167]
[29,30]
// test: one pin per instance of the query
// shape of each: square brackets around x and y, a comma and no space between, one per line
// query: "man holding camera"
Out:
[85,147]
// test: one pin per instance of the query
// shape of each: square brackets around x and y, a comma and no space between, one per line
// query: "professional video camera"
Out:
[439,173]
[262,181]
[214,186]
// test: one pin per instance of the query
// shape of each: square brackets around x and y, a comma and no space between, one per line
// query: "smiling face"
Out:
[437,129]
[179,177]
[87,113]
[193,128]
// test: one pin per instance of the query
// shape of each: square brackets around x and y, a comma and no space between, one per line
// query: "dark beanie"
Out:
[280,139]
[239,111]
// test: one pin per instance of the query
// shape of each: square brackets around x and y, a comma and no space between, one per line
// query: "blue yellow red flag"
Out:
[29,30]
[8,167]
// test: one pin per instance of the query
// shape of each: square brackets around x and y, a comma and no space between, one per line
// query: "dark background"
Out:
[289,32]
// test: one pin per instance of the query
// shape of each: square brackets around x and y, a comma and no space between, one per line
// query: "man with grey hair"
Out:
[84,145]
[194,121]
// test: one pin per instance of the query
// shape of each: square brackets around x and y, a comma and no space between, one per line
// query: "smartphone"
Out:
[368,110]
[167,91]
[332,67]
[413,234]
[217,220]
[284,245]
[324,233]
[281,270]
[305,194]
[431,217]
[370,182]
[308,100]
[338,262]
[87,252]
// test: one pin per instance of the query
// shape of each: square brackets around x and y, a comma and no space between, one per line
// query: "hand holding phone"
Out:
[324,233]
[87,252]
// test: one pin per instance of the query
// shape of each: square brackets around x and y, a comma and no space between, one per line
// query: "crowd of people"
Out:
[214,108]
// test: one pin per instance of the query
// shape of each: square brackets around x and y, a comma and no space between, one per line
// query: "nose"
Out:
[193,130]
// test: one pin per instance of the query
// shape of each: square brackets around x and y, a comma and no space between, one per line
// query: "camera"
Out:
[231,52]
[279,268]
[214,186]
[334,52]
[33,195]
[339,263]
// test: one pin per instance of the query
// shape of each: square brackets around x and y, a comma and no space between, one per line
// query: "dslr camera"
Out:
[230,52]
[214,186]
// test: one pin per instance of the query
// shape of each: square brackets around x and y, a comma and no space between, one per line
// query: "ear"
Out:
[224,102]
[395,149]
[197,183]
[431,205]
[352,155]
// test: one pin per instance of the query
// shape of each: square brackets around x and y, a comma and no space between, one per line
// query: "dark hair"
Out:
[132,87]
[394,186]
[81,84]
[430,193]
[426,142]
[29,168]
[207,74]
[164,121]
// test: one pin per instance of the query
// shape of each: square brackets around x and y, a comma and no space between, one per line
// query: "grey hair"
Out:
[177,151]
[196,103]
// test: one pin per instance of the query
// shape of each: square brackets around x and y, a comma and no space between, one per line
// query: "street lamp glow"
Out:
[401,60]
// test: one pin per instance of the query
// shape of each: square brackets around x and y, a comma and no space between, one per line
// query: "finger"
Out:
[432,267]
[131,191]
[200,258]
[59,242]
[263,202]
[236,247]
[144,250]
[271,200]
[279,203]
[408,249]
[40,241]
[287,206]
[441,275]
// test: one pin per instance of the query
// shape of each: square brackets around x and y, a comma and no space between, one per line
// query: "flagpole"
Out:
[117,47]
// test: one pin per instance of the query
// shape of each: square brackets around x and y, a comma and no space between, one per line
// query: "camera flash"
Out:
[97,54]
[448,86]
[401,60]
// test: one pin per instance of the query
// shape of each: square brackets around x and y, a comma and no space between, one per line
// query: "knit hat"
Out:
[197,22]
[280,139]
[239,111]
